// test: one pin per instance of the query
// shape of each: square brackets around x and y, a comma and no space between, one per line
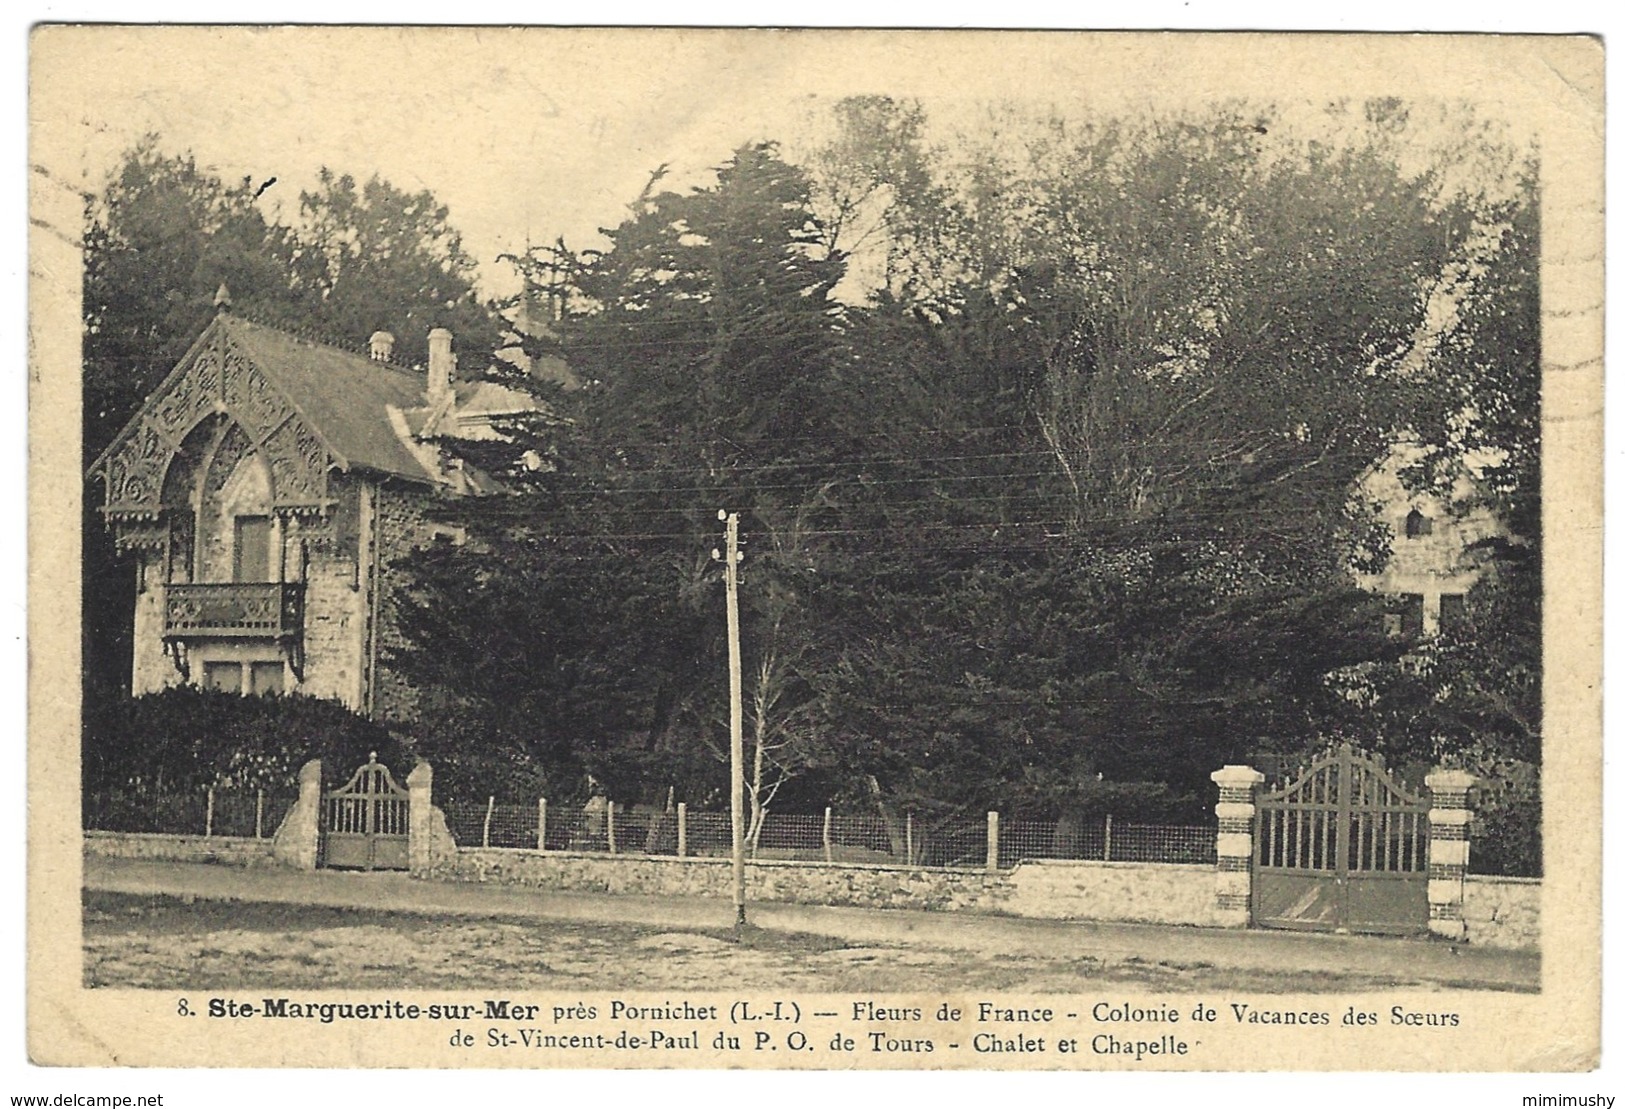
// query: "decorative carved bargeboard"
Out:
[218,380]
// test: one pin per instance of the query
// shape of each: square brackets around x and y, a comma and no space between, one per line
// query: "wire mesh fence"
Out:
[709,833]
[907,840]
[1106,840]
[246,814]
[488,824]
[600,826]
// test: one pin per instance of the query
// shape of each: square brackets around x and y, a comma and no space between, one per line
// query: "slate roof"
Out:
[345,395]
[369,415]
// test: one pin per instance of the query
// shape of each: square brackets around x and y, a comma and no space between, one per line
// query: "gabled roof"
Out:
[345,396]
[351,403]
[313,408]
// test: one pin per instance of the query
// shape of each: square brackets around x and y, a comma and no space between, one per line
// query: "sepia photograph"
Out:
[617,548]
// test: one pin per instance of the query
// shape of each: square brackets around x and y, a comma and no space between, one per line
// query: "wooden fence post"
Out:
[609,824]
[490,806]
[992,841]
[829,847]
[208,814]
[259,814]
[541,824]
[682,829]
[908,837]
[1106,851]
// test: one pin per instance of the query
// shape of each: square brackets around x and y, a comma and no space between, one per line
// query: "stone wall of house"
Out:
[327,552]
[1443,558]
[1149,893]
[231,850]
[151,669]
[1501,912]
[403,524]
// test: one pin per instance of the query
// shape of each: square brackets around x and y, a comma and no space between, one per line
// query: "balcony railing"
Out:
[240,610]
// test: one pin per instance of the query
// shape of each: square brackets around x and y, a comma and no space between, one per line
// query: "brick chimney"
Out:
[381,346]
[442,364]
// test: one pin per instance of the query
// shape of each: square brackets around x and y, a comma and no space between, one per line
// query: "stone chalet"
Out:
[265,489]
[1434,558]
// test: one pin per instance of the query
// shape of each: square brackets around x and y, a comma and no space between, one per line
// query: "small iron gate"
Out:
[365,821]
[1342,847]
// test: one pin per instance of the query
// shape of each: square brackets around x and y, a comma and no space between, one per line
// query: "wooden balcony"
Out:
[235,610]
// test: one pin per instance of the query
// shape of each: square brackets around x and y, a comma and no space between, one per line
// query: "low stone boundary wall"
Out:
[1145,893]
[1161,893]
[859,884]
[231,850]
[1501,912]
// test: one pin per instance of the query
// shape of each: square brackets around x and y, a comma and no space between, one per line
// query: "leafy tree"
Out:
[373,257]
[1058,517]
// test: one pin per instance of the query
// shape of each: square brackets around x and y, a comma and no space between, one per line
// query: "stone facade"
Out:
[1432,559]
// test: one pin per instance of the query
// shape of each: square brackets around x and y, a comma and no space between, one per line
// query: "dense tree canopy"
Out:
[1046,438]
[1061,508]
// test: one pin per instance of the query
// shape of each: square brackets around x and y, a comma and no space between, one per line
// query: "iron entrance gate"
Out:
[1343,847]
[365,821]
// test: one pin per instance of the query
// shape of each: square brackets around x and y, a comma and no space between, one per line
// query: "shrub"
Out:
[1506,820]
[186,738]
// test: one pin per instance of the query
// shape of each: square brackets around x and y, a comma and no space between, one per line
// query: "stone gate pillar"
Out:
[429,844]
[1234,881]
[1448,843]
[298,839]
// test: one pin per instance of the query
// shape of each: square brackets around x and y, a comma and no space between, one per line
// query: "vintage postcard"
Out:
[616,549]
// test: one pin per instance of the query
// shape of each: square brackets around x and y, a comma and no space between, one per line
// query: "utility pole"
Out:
[736,709]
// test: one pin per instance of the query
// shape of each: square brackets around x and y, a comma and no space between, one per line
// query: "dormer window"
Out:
[1417,525]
